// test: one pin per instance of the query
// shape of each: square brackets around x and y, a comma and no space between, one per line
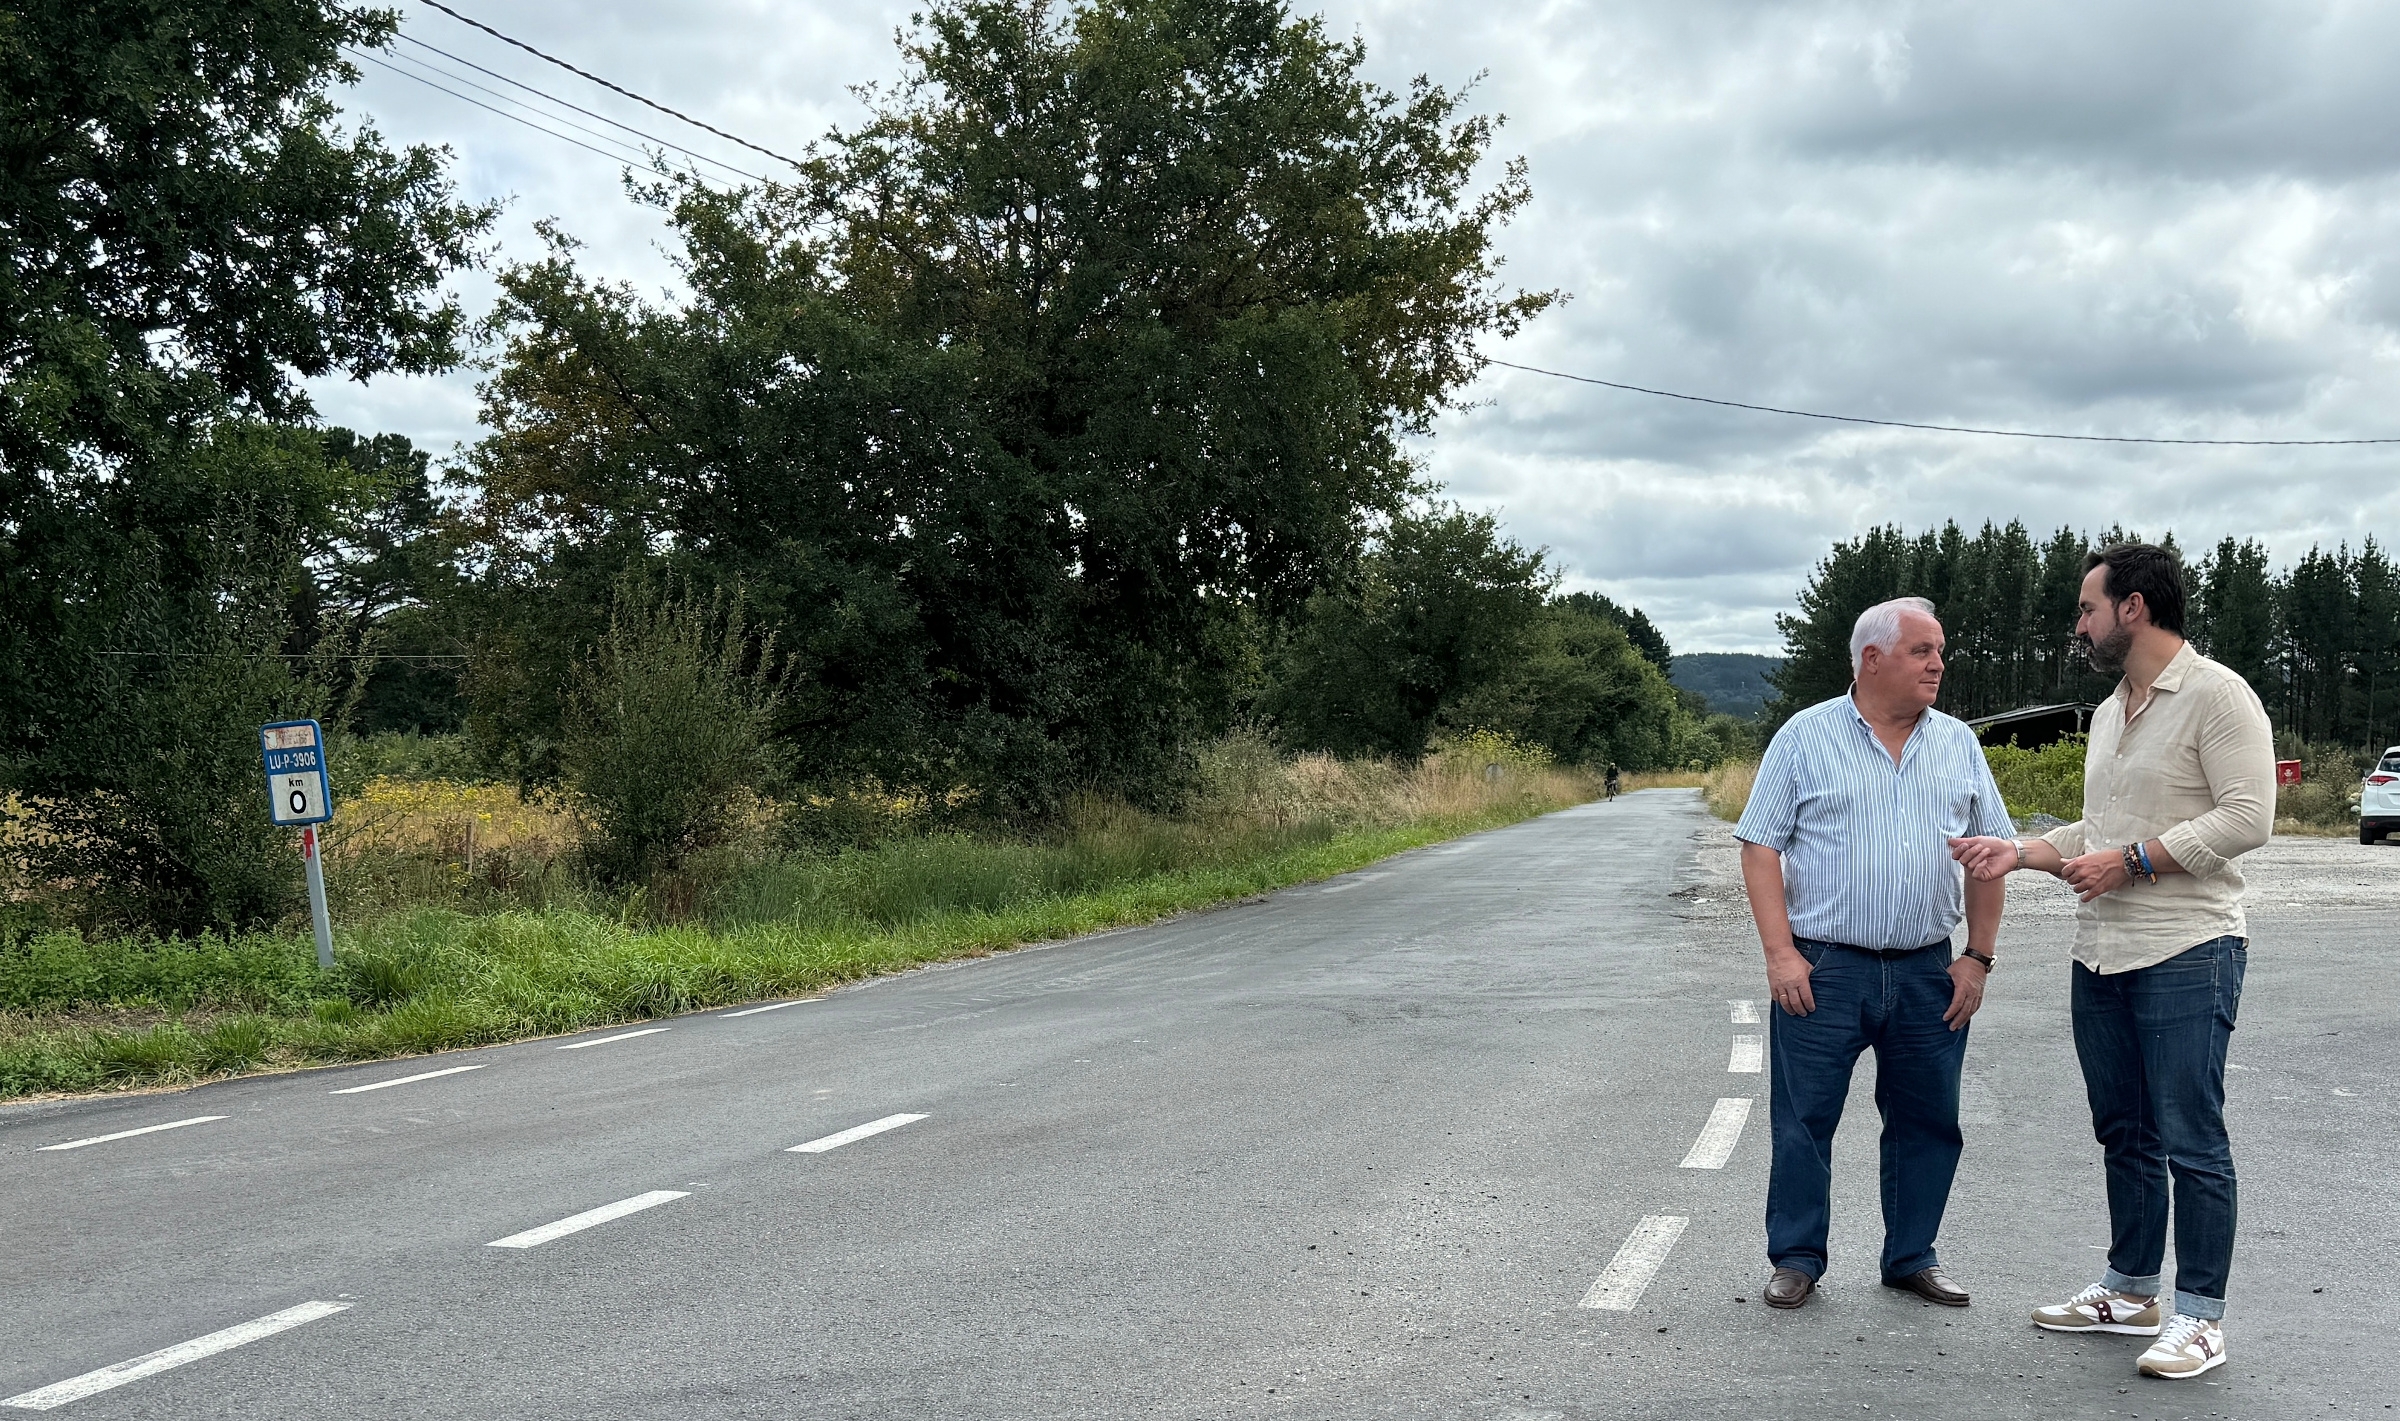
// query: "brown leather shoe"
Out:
[1789,1288]
[1933,1285]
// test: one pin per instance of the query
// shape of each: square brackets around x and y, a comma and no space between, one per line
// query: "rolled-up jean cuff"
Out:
[2194,1305]
[2132,1287]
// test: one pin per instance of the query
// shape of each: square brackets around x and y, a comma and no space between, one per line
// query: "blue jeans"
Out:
[2152,1042]
[1895,1005]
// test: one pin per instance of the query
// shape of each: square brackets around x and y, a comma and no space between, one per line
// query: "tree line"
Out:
[2318,639]
[1040,428]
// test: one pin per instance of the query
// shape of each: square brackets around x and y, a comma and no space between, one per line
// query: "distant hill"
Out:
[1735,682]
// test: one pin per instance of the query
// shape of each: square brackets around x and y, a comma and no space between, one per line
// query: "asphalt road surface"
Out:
[1367,1148]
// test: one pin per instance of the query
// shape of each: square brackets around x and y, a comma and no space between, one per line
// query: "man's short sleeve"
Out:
[1772,814]
[1991,811]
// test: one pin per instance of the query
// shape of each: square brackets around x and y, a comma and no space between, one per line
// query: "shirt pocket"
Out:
[1951,804]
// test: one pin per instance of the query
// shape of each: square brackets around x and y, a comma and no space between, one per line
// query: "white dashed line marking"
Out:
[855,1132]
[589,1218]
[771,1006]
[1621,1284]
[167,1358]
[1749,1055]
[1353,881]
[129,1134]
[408,1080]
[620,1036]
[1745,1013]
[1718,1137]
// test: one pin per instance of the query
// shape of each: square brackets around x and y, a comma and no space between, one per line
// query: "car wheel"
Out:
[2367,835]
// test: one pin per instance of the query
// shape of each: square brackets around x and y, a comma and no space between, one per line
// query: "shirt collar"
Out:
[1850,697]
[2170,676]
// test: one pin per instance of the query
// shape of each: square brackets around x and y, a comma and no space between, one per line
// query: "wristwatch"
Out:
[1983,957]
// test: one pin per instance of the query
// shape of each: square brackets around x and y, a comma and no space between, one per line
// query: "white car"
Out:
[2379,799]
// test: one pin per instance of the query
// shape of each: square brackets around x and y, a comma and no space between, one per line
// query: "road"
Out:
[1359,1149]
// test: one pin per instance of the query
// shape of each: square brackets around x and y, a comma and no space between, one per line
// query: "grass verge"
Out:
[80,1016]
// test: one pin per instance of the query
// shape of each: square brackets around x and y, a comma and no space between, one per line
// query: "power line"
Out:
[520,103]
[504,113]
[605,84]
[1938,428]
[562,103]
[398,59]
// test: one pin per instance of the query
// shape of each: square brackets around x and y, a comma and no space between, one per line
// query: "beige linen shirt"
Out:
[2195,770]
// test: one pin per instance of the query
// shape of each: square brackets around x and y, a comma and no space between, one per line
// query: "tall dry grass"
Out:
[398,843]
[1244,777]
[1725,789]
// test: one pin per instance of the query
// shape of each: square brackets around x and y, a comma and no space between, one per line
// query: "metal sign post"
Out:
[299,795]
[316,896]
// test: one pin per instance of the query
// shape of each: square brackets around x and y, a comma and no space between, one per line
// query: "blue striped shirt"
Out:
[1865,842]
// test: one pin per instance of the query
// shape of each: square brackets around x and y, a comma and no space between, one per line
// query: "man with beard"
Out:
[2179,782]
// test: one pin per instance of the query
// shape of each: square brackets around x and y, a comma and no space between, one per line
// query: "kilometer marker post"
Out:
[322,919]
[299,795]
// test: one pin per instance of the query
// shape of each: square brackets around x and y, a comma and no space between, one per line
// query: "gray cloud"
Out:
[2175,219]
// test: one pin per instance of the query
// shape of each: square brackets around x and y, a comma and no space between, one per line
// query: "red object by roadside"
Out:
[2287,772]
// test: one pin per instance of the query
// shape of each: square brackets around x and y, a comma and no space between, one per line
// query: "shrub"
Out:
[2045,781]
[397,755]
[2327,796]
[667,726]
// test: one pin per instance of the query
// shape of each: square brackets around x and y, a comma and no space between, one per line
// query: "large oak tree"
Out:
[1026,403]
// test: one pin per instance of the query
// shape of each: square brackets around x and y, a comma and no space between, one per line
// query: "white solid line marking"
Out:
[1745,1013]
[129,1134]
[1718,1137]
[1749,1055]
[76,1388]
[408,1080]
[771,1006]
[1621,1284]
[588,1218]
[620,1036]
[855,1132]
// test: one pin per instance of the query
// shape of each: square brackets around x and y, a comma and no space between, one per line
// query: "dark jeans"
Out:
[2152,1042]
[1895,1005]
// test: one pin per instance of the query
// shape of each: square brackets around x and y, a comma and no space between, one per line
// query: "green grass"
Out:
[437,980]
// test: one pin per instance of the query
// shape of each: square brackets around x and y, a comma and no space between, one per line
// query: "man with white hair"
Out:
[1846,859]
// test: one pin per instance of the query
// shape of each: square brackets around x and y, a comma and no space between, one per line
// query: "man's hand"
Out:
[2095,873]
[1986,858]
[1966,987]
[1787,981]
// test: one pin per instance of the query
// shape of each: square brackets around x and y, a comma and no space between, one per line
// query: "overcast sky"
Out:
[2134,219]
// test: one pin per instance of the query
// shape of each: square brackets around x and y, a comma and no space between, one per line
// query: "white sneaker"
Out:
[2186,1347]
[2101,1308]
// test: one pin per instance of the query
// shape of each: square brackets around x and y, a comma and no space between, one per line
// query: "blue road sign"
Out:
[297,790]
